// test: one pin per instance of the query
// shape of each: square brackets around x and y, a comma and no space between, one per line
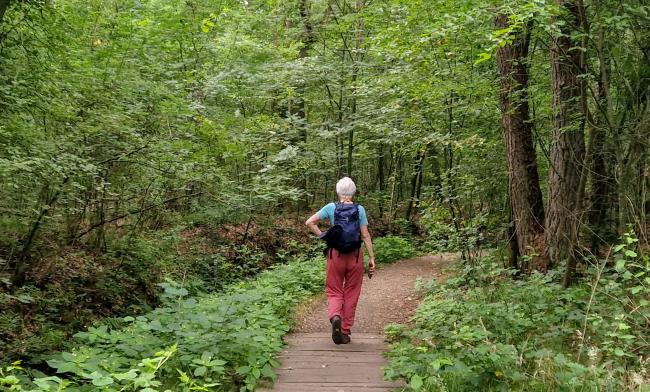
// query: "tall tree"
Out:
[4,4]
[603,159]
[525,194]
[567,145]
[308,40]
[416,182]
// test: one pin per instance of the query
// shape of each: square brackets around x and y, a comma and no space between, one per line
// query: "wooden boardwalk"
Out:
[312,363]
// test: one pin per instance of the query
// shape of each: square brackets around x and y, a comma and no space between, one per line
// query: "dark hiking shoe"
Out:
[346,339]
[337,334]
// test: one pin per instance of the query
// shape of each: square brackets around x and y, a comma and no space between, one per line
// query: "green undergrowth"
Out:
[485,331]
[216,342]
[390,249]
[73,287]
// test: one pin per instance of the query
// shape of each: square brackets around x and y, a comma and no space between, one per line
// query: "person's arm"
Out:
[367,240]
[312,223]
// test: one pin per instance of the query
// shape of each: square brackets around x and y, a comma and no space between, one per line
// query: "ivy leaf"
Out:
[416,382]
[45,383]
[630,253]
[620,265]
[200,371]
[68,356]
[63,367]
[99,380]
[438,363]
[243,370]
[130,375]
[636,289]
[267,371]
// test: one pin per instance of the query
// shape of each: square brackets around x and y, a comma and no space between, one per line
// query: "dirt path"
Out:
[312,363]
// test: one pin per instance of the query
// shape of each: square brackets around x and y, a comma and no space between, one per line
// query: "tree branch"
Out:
[132,212]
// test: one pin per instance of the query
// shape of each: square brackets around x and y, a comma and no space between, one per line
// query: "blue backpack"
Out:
[347,217]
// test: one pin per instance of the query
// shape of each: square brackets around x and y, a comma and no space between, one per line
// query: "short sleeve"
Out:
[363,218]
[327,212]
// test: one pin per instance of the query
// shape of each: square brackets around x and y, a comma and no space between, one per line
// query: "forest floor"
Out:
[312,362]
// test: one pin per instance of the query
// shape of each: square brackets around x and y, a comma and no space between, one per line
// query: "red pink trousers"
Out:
[343,285]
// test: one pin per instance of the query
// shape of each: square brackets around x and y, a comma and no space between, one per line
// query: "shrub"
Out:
[530,335]
[444,234]
[213,342]
[391,248]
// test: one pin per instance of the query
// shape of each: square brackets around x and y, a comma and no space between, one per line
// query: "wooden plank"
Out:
[319,348]
[370,339]
[383,384]
[329,354]
[327,335]
[324,345]
[332,388]
[313,363]
[333,374]
[310,363]
[324,386]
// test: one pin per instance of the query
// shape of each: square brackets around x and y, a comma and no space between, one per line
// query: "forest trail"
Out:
[313,363]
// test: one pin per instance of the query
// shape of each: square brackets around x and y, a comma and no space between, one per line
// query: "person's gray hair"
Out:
[346,187]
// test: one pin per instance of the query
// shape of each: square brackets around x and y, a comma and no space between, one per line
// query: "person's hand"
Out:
[371,265]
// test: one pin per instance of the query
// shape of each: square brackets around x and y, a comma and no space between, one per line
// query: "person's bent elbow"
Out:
[312,220]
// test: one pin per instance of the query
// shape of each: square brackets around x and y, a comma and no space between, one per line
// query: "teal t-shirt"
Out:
[327,213]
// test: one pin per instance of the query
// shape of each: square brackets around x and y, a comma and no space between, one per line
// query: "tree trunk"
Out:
[512,239]
[301,114]
[381,179]
[416,184]
[603,183]
[567,147]
[351,143]
[437,181]
[355,57]
[20,269]
[307,42]
[450,194]
[4,4]
[527,206]
[418,194]
[340,141]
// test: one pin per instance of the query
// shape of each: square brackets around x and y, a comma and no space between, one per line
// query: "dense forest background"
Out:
[153,141]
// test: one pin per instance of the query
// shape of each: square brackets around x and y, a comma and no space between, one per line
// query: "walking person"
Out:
[348,228]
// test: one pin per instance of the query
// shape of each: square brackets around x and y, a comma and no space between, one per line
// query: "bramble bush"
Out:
[391,248]
[493,333]
[218,342]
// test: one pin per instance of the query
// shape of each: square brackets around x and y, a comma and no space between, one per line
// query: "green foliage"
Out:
[485,331]
[123,119]
[446,235]
[627,284]
[391,248]
[215,342]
